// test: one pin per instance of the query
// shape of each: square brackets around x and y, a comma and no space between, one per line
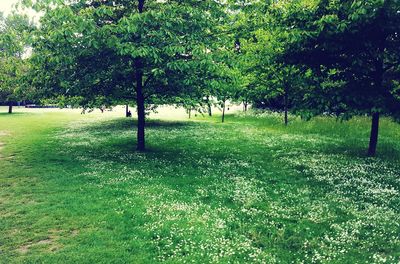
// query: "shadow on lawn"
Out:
[14,114]
[125,130]
[386,150]
[124,142]
[131,124]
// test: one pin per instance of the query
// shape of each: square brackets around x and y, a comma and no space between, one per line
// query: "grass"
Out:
[74,190]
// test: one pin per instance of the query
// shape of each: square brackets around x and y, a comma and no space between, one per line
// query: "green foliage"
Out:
[353,50]
[14,31]
[322,56]
[89,50]
[260,43]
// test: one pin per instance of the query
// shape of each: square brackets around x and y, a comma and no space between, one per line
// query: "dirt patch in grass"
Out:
[2,157]
[50,242]
[1,148]
[74,233]
[25,248]
[2,134]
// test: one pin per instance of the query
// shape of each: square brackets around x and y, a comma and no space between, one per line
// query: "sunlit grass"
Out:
[73,189]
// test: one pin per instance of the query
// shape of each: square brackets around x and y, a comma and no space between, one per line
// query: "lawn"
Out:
[74,190]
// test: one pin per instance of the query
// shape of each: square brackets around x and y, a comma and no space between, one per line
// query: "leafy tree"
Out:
[226,86]
[14,30]
[353,51]
[124,50]
[260,41]
[272,80]
[247,18]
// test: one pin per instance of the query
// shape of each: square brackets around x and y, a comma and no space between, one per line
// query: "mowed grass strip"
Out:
[73,189]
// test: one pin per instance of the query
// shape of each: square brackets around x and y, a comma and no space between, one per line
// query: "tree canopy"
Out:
[336,57]
[14,32]
[353,49]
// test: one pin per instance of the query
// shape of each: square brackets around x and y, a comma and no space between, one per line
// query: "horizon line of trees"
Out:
[307,57]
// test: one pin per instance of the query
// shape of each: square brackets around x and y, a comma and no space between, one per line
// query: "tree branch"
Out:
[148,79]
[389,66]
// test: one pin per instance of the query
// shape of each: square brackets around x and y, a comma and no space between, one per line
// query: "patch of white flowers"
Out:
[238,213]
[367,191]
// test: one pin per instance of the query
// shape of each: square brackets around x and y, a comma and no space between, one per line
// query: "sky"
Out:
[6,5]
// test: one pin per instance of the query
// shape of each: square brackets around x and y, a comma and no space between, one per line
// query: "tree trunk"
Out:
[223,112]
[126,111]
[245,106]
[190,112]
[378,76]
[286,107]
[209,106]
[373,141]
[140,105]
[140,6]
[10,107]
[141,146]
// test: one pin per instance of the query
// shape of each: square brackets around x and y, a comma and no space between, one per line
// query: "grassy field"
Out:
[73,190]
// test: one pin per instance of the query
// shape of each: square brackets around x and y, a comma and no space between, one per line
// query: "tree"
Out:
[125,50]
[353,51]
[226,85]
[13,43]
[247,18]
[272,81]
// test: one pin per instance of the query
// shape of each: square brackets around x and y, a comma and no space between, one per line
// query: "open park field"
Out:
[315,179]
[74,190]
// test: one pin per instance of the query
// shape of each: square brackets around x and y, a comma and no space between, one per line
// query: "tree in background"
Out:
[246,18]
[353,49]
[273,82]
[14,30]
[226,86]
[260,42]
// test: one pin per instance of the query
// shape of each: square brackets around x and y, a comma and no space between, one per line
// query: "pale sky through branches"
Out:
[6,6]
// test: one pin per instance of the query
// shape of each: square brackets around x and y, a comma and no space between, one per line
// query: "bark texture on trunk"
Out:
[223,112]
[209,106]
[286,107]
[140,105]
[378,76]
[373,141]
[140,6]
[141,114]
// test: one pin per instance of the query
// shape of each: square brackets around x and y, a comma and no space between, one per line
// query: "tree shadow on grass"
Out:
[358,149]
[120,137]
[131,124]
[14,114]
[352,148]
[172,152]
